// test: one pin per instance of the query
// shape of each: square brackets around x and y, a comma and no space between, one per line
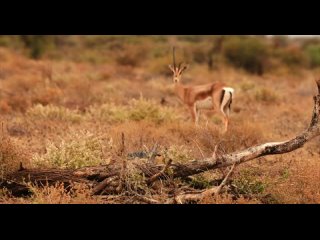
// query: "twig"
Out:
[214,154]
[223,183]
[159,174]
[153,151]
[122,175]
[102,185]
[122,147]
[196,196]
[147,200]
[199,148]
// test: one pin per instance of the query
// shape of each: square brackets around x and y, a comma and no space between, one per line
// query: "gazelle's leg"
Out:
[197,116]
[193,114]
[226,112]
[226,123]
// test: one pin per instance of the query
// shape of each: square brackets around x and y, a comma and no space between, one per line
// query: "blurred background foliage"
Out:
[253,54]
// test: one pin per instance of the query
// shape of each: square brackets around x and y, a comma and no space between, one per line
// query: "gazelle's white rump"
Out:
[228,89]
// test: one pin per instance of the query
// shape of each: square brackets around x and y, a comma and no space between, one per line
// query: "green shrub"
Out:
[250,54]
[143,109]
[313,53]
[52,112]
[246,184]
[108,112]
[37,44]
[11,41]
[81,150]
[136,110]
[178,154]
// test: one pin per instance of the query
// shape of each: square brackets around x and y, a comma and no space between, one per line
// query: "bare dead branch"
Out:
[223,183]
[147,200]
[102,185]
[160,174]
[199,148]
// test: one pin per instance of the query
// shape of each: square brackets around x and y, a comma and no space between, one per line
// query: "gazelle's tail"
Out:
[226,99]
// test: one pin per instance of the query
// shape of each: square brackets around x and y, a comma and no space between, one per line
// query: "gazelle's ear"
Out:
[171,68]
[184,67]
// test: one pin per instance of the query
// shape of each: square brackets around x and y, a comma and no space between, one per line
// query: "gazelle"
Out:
[212,96]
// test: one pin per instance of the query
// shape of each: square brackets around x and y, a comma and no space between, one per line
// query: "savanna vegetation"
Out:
[69,103]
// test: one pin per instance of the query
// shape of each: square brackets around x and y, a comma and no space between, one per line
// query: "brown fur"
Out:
[190,95]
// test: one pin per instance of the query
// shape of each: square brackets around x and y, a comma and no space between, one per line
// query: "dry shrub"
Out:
[75,151]
[227,199]
[141,135]
[265,95]
[137,110]
[46,96]
[178,154]
[5,55]
[56,194]
[293,56]
[133,180]
[247,86]
[23,83]
[162,85]
[5,107]
[11,155]
[19,102]
[159,66]
[143,109]
[108,112]
[51,112]
[78,93]
[241,135]
[132,55]
[298,184]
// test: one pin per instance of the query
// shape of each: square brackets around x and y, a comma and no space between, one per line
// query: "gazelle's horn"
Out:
[174,58]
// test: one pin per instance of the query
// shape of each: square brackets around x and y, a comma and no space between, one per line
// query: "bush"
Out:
[159,66]
[265,95]
[137,110]
[83,149]
[246,184]
[143,109]
[37,44]
[178,154]
[313,53]
[108,112]
[132,55]
[54,113]
[292,57]
[250,54]
[11,155]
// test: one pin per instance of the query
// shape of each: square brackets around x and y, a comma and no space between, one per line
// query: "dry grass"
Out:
[56,194]
[71,113]
[11,155]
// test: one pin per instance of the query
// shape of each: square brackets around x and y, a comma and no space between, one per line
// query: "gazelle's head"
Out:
[177,70]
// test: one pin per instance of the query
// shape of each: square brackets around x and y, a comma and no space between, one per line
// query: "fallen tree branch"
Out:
[102,185]
[160,174]
[182,198]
